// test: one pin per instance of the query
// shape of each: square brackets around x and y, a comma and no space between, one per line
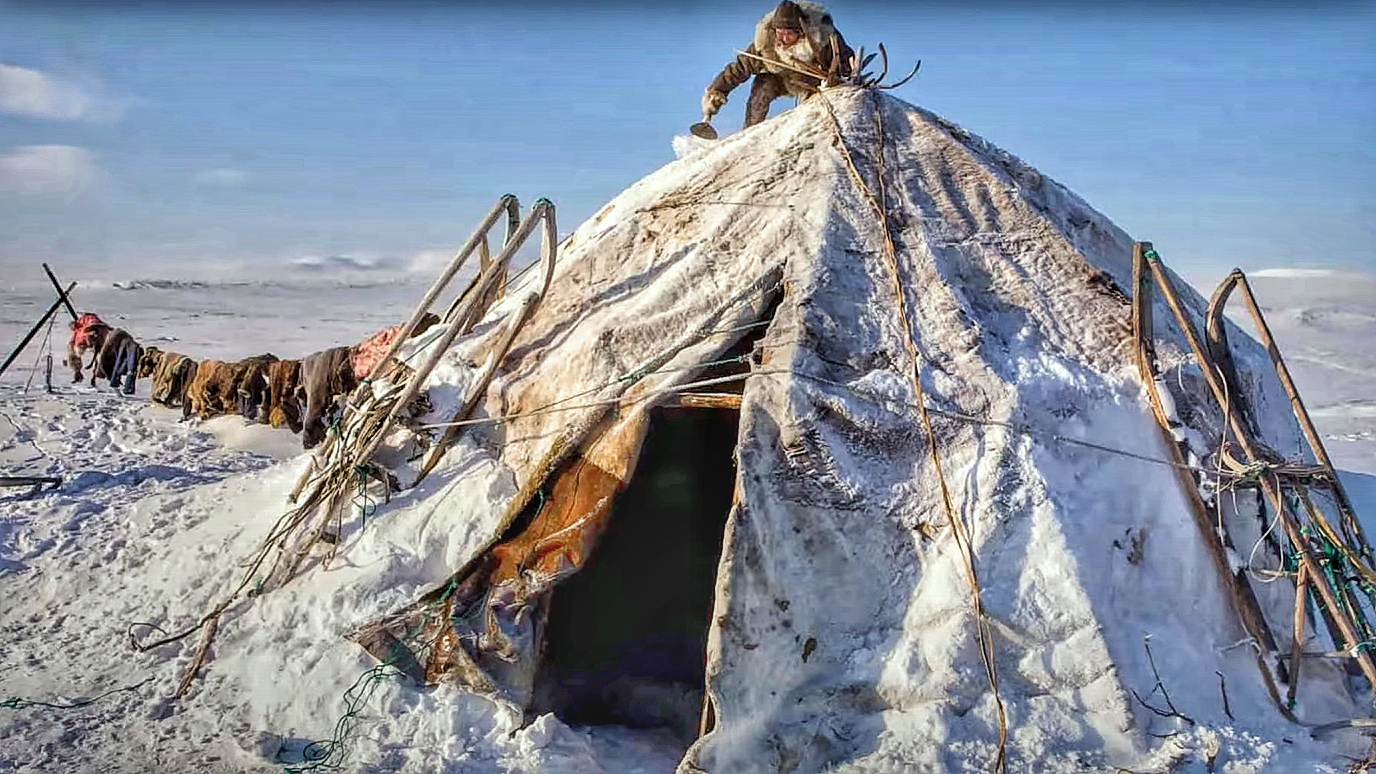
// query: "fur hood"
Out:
[819,27]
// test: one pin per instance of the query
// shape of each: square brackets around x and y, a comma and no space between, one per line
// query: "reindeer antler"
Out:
[906,78]
[884,69]
[872,82]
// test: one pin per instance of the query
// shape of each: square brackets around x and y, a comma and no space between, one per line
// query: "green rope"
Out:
[18,703]
[330,754]
[1339,575]
[366,505]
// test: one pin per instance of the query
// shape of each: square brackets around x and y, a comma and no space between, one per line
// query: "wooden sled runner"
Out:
[1332,567]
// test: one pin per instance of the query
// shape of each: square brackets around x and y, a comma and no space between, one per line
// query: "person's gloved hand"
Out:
[712,100]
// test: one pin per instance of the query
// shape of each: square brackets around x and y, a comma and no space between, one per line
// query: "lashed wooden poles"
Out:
[1218,340]
[342,459]
[543,211]
[61,295]
[61,299]
[1270,486]
[1239,590]
[507,204]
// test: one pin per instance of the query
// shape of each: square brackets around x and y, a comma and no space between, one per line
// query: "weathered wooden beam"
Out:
[709,400]
[1297,634]
[53,481]
[1239,590]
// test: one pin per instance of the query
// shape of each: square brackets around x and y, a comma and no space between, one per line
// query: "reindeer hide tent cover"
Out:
[842,634]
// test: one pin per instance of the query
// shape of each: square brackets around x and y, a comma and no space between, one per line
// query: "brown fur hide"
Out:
[213,390]
[253,386]
[282,408]
[117,359]
[325,376]
[170,374]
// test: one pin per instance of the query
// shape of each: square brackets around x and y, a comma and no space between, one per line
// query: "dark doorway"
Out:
[626,637]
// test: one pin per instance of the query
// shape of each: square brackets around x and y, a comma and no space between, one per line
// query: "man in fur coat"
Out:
[795,33]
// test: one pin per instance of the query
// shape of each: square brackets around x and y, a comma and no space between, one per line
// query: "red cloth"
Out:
[368,352]
[84,329]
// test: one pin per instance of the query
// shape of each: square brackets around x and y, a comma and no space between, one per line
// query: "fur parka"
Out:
[820,33]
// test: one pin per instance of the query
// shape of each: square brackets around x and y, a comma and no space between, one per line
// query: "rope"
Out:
[552,408]
[18,703]
[42,347]
[366,505]
[982,630]
[330,754]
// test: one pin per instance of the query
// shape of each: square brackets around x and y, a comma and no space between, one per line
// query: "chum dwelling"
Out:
[848,442]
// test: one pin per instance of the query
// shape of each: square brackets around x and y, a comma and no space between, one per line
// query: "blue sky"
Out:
[212,134]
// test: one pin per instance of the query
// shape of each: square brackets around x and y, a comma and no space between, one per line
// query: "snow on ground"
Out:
[1326,324]
[154,515]
[149,525]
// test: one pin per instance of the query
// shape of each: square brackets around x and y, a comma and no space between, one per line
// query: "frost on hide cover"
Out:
[843,632]
[842,636]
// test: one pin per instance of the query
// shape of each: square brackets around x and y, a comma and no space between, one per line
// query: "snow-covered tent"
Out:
[930,524]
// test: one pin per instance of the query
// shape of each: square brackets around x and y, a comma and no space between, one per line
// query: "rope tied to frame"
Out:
[1251,473]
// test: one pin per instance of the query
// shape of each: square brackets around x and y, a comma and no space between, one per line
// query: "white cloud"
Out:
[222,177]
[47,170]
[33,93]
[1295,272]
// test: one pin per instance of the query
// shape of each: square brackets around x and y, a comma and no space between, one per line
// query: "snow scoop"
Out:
[704,128]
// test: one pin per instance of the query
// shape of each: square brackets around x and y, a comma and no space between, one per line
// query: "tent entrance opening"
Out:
[626,638]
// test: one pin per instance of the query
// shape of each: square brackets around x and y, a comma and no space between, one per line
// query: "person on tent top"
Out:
[795,34]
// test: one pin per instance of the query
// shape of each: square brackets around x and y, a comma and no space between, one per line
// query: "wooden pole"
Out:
[37,326]
[1239,590]
[507,204]
[60,294]
[1297,633]
[1311,434]
[53,481]
[705,400]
